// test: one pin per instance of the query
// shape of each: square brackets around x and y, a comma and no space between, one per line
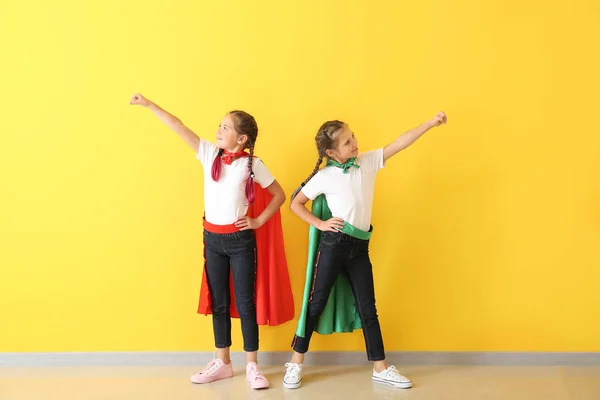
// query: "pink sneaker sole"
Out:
[259,384]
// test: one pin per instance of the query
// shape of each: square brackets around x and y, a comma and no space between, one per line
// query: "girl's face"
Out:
[228,138]
[347,146]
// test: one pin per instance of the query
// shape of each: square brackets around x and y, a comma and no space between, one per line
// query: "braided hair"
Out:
[325,140]
[244,124]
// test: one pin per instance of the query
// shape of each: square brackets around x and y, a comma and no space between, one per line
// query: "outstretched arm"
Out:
[411,136]
[170,120]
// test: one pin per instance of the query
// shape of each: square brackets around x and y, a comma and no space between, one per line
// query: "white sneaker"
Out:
[391,376]
[293,376]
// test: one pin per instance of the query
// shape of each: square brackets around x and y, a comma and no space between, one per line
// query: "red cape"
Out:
[273,292]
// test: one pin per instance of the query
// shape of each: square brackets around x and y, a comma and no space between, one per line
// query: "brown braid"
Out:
[250,172]
[250,181]
[326,139]
[245,124]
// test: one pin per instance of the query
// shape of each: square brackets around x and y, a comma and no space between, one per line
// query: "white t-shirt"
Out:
[349,196]
[225,201]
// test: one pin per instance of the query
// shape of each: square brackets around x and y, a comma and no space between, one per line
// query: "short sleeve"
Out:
[372,160]
[314,187]
[262,176]
[206,152]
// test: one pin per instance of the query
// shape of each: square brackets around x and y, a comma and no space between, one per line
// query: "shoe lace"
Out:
[212,367]
[292,371]
[255,373]
[392,372]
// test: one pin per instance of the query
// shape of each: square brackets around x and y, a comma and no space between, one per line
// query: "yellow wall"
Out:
[486,230]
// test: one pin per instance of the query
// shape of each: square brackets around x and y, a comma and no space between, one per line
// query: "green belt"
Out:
[355,232]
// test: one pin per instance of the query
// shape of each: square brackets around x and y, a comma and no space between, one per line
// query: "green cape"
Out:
[340,314]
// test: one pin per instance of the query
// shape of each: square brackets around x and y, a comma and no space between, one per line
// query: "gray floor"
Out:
[431,382]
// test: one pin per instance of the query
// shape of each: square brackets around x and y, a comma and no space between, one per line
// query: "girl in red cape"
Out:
[245,270]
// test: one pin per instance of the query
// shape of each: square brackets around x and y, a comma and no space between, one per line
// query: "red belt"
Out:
[220,229]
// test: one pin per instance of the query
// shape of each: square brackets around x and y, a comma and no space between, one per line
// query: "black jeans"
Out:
[235,251]
[340,253]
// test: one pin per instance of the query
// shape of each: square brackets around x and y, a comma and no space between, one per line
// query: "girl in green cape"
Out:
[339,293]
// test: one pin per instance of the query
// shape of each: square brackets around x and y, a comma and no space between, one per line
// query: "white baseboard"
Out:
[281,357]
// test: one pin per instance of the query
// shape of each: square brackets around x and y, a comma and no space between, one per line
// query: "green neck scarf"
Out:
[345,166]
